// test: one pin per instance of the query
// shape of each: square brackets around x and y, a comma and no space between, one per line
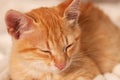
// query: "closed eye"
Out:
[45,51]
[33,49]
[67,47]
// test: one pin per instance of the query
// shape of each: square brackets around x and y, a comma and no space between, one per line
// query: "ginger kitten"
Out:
[72,41]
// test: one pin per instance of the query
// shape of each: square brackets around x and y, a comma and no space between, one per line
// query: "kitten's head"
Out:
[46,38]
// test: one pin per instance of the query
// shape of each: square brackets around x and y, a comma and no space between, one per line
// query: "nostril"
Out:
[60,65]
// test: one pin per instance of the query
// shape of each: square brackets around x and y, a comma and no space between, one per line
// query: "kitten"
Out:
[72,41]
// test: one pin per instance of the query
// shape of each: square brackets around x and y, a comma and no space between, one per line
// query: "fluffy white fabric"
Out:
[112,10]
[115,75]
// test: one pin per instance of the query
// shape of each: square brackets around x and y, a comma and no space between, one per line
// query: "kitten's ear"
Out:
[17,23]
[72,11]
[61,7]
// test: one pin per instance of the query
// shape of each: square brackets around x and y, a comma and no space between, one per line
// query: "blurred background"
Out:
[110,7]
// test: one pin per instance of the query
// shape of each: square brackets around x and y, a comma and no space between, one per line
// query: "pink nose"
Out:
[60,65]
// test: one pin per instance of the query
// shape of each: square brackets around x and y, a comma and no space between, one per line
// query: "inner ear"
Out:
[17,23]
[72,12]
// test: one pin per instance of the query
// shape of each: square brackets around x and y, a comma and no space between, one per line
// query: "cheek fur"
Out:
[33,55]
[45,65]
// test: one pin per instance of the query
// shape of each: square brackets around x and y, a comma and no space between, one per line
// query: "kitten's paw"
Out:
[111,76]
[99,77]
[116,70]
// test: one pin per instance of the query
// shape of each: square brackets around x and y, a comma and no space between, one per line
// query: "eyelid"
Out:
[46,51]
[68,46]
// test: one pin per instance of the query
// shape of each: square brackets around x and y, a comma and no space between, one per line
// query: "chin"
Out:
[53,69]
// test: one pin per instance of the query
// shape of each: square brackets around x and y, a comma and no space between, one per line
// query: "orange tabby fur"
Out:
[39,53]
